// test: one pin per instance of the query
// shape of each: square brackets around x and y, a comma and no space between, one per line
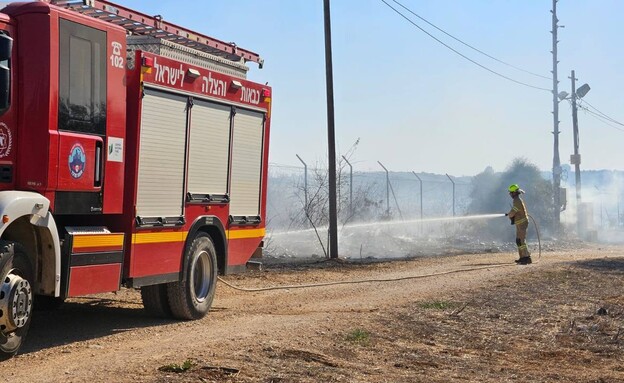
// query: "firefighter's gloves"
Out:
[512,219]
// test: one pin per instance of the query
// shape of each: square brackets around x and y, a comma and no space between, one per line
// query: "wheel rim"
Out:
[201,274]
[16,302]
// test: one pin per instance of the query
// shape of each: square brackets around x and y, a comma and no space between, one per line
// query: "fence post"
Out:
[421,195]
[387,189]
[453,182]
[305,184]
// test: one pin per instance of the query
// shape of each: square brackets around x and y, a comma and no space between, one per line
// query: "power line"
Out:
[468,45]
[599,118]
[460,54]
[604,115]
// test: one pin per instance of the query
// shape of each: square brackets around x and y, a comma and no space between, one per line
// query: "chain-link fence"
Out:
[402,214]
[396,214]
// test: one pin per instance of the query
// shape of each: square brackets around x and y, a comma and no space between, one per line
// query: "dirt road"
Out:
[561,319]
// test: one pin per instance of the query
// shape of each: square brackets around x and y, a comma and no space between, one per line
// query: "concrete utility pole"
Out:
[331,136]
[556,161]
[576,157]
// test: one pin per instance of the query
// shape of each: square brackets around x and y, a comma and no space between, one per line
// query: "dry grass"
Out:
[559,324]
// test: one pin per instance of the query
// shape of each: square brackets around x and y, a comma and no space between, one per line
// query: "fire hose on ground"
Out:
[539,242]
[380,280]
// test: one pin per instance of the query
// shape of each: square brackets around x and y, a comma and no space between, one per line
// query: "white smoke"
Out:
[600,217]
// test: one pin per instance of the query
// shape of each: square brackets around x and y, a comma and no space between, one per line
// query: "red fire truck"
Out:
[133,153]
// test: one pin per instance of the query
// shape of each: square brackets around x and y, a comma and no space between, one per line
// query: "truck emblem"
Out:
[6,140]
[77,160]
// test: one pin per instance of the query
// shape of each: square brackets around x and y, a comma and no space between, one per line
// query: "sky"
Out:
[414,104]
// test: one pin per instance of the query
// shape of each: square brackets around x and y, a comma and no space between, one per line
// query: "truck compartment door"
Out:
[162,158]
[246,178]
[209,152]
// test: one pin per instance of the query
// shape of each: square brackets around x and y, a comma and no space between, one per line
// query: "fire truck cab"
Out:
[133,153]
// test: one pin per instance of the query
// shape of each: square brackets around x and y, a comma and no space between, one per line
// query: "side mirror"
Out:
[6,46]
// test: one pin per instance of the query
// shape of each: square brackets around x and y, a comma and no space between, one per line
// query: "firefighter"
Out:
[519,217]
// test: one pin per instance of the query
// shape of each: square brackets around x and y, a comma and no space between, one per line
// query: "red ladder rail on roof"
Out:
[141,24]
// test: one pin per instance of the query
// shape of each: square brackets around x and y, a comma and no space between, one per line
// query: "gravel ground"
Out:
[459,318]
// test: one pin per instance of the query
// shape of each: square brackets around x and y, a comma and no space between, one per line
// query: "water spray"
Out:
[403,223]
[393,223]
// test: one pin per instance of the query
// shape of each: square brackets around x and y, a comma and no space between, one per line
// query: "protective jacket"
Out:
[518,213]
[519,217]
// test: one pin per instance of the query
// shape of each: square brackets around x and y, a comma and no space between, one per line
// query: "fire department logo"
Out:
[6,140]
[77,161]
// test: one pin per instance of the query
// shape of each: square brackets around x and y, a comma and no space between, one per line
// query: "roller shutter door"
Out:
[162,155]
[246,179]
[209,149]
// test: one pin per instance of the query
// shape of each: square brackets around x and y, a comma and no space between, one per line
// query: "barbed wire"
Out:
[396,176]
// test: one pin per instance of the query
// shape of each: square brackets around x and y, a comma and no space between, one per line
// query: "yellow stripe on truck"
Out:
[176,236]
[180,236]
[246,233]
[101,240]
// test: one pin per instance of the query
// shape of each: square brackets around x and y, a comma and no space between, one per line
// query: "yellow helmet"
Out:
[514,188]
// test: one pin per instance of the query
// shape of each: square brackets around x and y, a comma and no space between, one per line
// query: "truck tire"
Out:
[16,297]
[192,297]
[155,300]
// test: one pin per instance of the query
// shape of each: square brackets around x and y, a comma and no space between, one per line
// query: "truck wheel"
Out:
[155,300]
[192,297]
[16,298]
